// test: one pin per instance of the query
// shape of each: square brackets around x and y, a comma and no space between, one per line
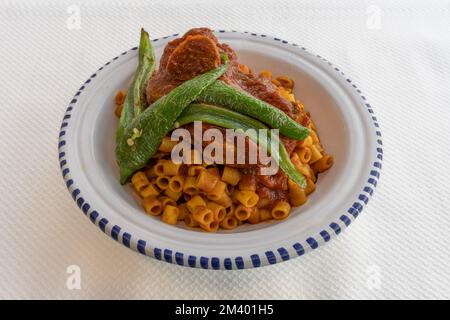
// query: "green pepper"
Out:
[227,96]
[232,120]
[135,100]
[147,59]
[142,137]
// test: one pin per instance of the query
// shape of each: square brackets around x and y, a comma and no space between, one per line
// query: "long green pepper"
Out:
[227,96]
[135,100]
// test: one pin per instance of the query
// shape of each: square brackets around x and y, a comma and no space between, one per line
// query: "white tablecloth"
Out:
[397,52]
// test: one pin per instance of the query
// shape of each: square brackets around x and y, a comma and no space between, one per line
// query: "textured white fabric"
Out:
[397,52]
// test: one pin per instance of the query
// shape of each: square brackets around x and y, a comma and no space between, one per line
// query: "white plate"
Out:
[346,125]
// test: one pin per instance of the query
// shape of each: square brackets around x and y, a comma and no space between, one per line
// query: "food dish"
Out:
[219,191]
[349,130]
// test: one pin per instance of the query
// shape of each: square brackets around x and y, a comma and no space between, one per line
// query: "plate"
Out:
[346,125]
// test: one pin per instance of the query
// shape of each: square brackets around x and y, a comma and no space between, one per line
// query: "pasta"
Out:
[170,168]
[304,154]
[152,206]
[314,136]
[247,198]
[162,182]
[254,217]
[310,186]
[170,214]
[167,145]
[266,74]
[286,94]
[315,153]
[306,170]
[203,215]
[308,142]
[218,191]
[211,226]
[213,171]
[176,183]
[303,168]
[219,212]
[159,168]
[230,210]
[139,181]
[242,213]
[285,82]
[166,201]
[149,191]
[209,196]
[231,175]
[190,186]
[244,68]
[206,181]
[276,82]
[174,195]
[229,223]
[296,194]
[194,171]
[323,164]
[195,202]
[190,221]
[312,126]
[225,201]
[281,210]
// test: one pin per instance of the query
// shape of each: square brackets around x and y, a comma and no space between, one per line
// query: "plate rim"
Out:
[229,263]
